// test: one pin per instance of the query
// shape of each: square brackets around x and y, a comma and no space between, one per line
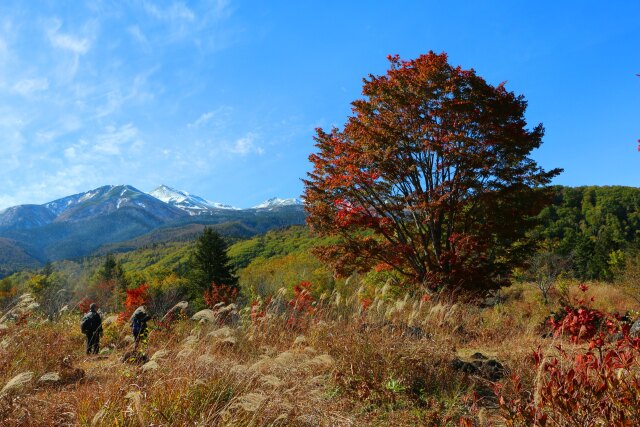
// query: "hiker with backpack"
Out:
[91,326]
[139,321]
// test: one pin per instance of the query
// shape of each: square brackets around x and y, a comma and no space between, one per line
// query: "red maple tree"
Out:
[429,177]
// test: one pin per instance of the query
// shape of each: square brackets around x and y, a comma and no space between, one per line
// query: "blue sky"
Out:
[220,97]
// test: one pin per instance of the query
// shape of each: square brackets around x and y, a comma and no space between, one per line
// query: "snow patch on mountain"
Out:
[277,202]
[190,203]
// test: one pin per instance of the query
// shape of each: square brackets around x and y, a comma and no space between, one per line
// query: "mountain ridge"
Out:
[119,216]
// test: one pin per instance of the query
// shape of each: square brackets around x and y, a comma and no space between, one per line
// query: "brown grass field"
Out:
[335,363]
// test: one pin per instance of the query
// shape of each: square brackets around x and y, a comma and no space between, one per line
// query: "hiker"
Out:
[139,325]
[91,326]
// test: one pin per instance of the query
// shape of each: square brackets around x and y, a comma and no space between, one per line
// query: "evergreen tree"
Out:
[210,264]
[112,270]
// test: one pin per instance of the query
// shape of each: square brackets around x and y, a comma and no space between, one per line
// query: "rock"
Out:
[182,305]
[478,356]
[481,366]
[615,337]
[69,374]
[221,333]
[25,304]
[151,365]
[635,329]
[205,315]
[173,313]
[50,378]
[16,383]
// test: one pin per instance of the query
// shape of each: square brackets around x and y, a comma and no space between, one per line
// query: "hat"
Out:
[93,307]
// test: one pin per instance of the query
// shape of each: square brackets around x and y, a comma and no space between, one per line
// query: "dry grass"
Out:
[387,365]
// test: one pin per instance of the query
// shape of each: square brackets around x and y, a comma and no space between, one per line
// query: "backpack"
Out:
[89,323]
[138,323]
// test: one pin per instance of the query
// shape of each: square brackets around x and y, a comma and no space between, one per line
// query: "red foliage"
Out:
[597,385]
[217,294]
[259,308]
[83,305]
[366,303]
[416,180]
[135,298]
[302,306]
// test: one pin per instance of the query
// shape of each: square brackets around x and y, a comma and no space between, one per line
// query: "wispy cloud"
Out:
[77,45]
[177,11]
[246,145]
[114,138]
[138,35]
[27,87]
[215,117]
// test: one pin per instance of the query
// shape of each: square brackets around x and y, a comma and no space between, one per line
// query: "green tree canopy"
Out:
[209,263]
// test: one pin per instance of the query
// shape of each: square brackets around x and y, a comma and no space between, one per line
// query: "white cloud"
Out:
[27,87]
[219,116]
[175,12]
[245,145]
[138,35]
[205,117]
[77,45]
[70,153]
[111,141]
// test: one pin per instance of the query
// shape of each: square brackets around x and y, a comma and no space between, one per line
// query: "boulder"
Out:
[221,333]
[635,329]
[205,315]
[50,378]
[480,365]
[16,383]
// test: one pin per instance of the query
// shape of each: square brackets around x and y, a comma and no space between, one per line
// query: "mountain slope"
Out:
[190,203]
[276,202]
[26,216]
[121,218]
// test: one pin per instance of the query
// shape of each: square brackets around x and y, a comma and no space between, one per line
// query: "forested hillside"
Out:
[592,227]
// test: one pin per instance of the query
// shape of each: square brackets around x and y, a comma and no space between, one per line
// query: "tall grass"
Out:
[331,360]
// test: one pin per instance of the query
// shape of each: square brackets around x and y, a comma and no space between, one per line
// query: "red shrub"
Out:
[302,306]
[225,294]
[135,298]
[597,384]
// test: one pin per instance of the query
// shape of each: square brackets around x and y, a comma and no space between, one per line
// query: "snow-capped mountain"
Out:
[108,199]
[277,202]
[190,203]
[84,223]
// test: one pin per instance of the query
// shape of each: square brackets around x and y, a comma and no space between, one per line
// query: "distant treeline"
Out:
[595,228]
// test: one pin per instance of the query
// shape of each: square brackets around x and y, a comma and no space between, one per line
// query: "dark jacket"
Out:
[91,323]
